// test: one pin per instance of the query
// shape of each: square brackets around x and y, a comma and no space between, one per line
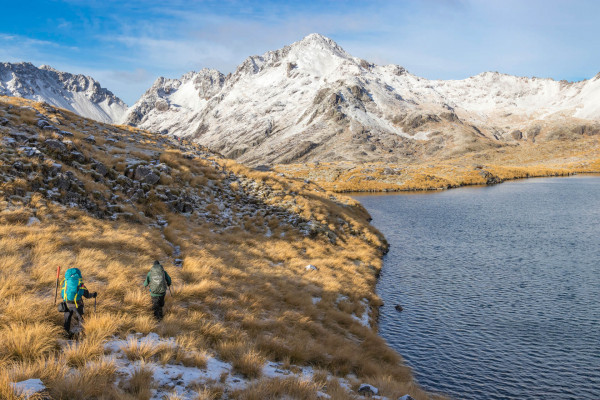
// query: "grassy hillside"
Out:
[570,155]
[110,200]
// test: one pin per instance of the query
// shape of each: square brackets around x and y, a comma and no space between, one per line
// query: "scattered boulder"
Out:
[490,179]
[146,175]
[124,181]
[20,136]
[3,122]
[77,156]
[42,123]
[55,145]
[367,390]
[90,139]
[311,267]
[33,221]
[100,168]
[405,397]
[55,168]
[32,152]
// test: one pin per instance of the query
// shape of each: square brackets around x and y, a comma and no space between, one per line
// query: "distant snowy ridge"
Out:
[312,101]
[78,93]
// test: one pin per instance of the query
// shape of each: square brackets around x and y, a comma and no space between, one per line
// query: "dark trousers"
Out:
[73,311]
[158,302]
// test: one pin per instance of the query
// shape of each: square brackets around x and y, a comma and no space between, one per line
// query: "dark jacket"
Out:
[147,282]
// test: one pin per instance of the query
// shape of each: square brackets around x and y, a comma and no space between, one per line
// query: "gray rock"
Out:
[8,141]
[66,133]
[20,136]
[55,145]
[51,128]
[42,123]
[62,182]
[77,156]
[55,168]
[90,139]
[124,181]
[146,175]
[366,389]
[100,168]
[3,122]
[31,152]
[405,397]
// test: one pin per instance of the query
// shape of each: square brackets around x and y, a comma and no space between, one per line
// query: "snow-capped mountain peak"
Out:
[311,100]
[78,93]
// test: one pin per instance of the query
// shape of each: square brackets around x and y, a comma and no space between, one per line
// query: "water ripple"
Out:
[500,288]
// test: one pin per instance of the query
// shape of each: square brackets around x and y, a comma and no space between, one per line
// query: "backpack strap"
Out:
[63,284]
[76,294]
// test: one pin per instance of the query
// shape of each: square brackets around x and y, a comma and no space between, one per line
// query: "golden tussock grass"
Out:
[22,342]
[549,158]
[279,388]
[140,382]
[240,296]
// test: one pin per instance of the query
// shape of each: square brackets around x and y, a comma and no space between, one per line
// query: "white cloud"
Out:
[438,39]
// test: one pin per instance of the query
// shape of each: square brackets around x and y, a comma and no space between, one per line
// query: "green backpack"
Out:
[158,284]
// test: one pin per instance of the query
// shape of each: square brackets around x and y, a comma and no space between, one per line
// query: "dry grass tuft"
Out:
[140,382]
[24,342]
[288,388]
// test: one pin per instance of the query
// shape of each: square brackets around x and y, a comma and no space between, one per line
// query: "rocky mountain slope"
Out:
[78,93]
[312,101]
[273,278]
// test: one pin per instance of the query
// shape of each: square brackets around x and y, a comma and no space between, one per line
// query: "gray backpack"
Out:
[158,284]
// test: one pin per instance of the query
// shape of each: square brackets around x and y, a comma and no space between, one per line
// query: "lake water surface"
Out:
[500,287]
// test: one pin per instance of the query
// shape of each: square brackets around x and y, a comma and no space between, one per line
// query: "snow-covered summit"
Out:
[78,93]
[311,100]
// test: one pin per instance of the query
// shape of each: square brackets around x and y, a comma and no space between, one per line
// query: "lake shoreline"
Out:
[418,265]
[465,185]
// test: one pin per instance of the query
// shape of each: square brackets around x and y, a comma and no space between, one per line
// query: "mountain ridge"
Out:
[312,101]
[74,92]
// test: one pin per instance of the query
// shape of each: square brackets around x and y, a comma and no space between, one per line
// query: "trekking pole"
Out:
[56,290]
[168,286]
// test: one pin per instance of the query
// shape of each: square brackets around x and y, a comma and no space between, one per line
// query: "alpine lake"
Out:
[499,286]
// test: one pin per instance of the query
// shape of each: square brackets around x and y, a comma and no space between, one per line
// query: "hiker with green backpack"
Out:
[73,291]
[157,280]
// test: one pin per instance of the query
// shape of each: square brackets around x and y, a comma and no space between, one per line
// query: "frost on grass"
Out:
[28,388]
[187,381]
[364,318]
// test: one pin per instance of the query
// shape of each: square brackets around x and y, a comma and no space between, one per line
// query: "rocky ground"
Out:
[275,277]
[126,173]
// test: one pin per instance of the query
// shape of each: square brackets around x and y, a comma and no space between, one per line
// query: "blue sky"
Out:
[126,45]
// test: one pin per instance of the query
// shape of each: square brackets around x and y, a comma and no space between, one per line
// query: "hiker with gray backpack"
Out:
[158,281]
[72,292]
